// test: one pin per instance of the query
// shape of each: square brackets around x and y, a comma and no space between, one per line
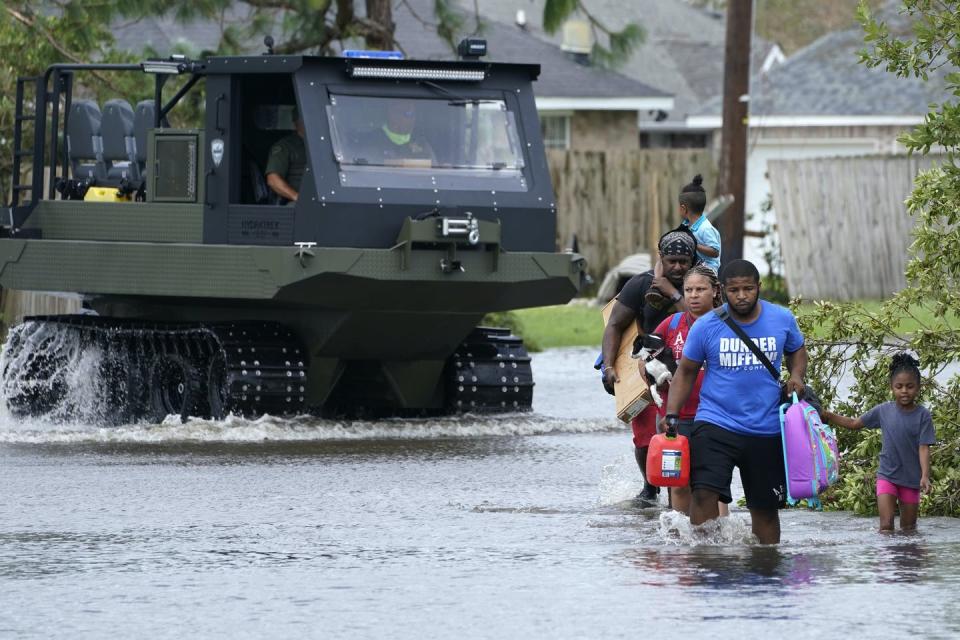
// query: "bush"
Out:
[854,339]
[774,289]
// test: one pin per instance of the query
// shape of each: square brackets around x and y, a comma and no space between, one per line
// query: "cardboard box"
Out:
[632,393]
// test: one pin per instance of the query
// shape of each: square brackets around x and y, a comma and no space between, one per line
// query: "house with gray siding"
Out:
[821,102]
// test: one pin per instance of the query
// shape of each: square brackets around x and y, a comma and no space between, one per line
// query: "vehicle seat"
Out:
[262,193]
[142,123]
[84,144]
[119,143]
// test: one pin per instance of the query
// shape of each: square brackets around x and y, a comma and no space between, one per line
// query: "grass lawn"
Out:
[922,317]
[576,325]
[568,325]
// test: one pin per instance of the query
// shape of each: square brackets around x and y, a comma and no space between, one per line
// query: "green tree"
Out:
[619,44]
[316,26]
[35,35]
[31,40]
[859,341]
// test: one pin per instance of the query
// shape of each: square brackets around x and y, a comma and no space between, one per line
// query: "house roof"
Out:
[563,83]
[681,54]
[567,83]
[824,84]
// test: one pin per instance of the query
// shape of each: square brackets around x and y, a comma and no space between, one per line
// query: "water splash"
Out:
[52,374]
[303,428]
[59,377]
[675,529]
[620,482]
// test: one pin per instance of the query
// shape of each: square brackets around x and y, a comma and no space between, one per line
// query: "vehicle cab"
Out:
[467,143]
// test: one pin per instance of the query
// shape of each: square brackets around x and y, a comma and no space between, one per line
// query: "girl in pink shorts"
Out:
[907,431]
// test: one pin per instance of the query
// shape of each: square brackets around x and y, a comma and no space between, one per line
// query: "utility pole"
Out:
[733,149]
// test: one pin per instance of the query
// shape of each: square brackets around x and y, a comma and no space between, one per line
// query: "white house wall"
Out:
[801,143]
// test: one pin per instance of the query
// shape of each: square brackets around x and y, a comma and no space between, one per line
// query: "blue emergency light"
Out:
[377,55]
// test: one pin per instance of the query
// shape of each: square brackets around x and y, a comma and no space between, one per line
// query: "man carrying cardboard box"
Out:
[677,251]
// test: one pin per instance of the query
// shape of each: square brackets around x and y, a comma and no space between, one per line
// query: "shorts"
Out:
[644,426]
[906,495]
[685,427]
[715,451]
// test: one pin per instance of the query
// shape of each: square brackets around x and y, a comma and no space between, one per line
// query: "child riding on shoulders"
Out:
[693,200]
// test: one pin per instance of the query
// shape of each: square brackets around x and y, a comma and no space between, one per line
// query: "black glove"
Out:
[672,421]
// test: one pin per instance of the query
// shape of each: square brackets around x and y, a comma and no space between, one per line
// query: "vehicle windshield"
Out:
[440,143]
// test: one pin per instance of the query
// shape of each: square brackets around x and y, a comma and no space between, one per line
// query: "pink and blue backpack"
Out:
[810,456]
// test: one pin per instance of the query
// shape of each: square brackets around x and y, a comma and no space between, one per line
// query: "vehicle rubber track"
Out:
[150,370]
[490,372]
[260,368]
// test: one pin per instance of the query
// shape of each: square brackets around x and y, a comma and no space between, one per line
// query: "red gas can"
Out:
[668,460]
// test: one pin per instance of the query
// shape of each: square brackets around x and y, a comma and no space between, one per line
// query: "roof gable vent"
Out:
[577,39]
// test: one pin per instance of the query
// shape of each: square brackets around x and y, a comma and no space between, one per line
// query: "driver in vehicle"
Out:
[287,163]
[396,142]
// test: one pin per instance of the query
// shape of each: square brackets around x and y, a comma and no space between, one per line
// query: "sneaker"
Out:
[655,299]
[649,495]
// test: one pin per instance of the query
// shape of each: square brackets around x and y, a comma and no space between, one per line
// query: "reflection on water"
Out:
[722,568]
[463,527]
[908,562]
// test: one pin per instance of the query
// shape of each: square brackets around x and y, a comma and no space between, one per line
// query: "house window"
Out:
[673,140]
[556,131]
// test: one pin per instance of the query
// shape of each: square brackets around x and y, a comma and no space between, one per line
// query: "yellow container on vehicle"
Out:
[105,194]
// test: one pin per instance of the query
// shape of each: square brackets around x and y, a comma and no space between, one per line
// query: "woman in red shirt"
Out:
[701,292]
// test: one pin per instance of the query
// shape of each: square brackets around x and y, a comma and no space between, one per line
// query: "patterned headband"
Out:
[678,243]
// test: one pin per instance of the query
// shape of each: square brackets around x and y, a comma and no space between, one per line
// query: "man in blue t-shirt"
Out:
[738,422]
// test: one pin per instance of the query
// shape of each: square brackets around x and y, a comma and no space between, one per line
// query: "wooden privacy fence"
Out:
[844,229]
[620,202]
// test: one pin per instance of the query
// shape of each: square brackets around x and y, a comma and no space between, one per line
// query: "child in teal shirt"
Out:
[693,199]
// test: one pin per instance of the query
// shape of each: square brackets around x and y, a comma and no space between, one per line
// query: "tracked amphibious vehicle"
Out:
[207,294]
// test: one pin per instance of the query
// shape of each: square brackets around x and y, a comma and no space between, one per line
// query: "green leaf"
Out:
[556,12]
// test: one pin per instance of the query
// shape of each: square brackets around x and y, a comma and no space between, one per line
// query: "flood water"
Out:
[456,528]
